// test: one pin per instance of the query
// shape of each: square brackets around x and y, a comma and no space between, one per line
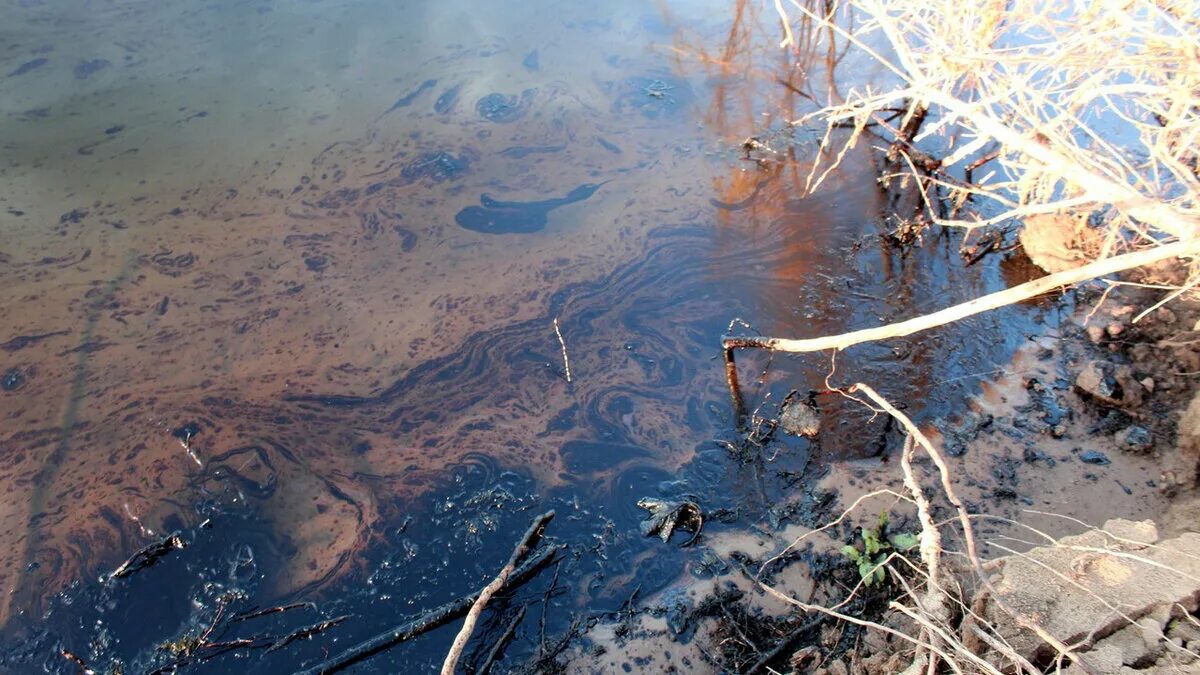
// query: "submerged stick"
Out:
[505,638]
[432,619]
[563,343]
[527,543]
[731,378]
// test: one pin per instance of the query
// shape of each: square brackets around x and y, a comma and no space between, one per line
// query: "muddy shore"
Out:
[1093,420]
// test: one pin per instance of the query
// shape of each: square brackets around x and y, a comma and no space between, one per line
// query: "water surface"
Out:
[242,301]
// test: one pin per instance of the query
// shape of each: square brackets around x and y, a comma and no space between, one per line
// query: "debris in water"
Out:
[801,417]
[149,555]
[665,516]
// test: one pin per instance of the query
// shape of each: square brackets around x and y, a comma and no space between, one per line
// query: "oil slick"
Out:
[407,99]
[497,217]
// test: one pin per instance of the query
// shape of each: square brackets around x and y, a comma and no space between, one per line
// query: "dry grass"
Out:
[1079,121]
[1091,110]
[947,627]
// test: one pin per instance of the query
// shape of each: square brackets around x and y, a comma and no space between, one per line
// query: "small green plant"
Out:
[876,545]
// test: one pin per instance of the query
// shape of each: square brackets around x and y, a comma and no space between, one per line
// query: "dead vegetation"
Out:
[1075,124]
[1073,128]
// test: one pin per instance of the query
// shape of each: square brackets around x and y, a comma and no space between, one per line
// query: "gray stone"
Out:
[1135,439]
[1071,588]
[1098,380]
[800,419]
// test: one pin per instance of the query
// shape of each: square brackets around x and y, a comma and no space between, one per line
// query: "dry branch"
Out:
[430,620]
[964,519]
[1009,296]
[528,542]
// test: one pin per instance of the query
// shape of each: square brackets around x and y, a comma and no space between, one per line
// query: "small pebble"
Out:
[1148,383]
[1114,330]
[1094,457]
[1095,333]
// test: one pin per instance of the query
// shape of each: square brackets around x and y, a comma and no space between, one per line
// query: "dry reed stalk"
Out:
[1088,109]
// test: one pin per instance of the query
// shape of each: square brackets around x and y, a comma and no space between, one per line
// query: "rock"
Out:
[1183,468]
[1096,333]
[1132,393]
[1135,439]
[1185,630]
[1072,587]
[1114,330]
[1144,532]
[1131,646]
[1060,241]
[1112,422]
[800,418]
[1148,384]
[677,609]
[708,564]
[802,659]
[1098,380]
[1094,457]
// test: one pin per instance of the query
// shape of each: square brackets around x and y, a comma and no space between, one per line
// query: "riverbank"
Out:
[1093,420]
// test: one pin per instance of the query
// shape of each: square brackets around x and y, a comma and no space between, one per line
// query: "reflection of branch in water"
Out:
[186,442]
[505,638]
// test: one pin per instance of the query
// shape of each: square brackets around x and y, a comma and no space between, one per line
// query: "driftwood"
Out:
[528,542]
[432,619]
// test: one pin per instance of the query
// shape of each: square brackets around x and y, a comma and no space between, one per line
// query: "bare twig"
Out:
[532,536]
[1018,293]
[563,343]
[434,618]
